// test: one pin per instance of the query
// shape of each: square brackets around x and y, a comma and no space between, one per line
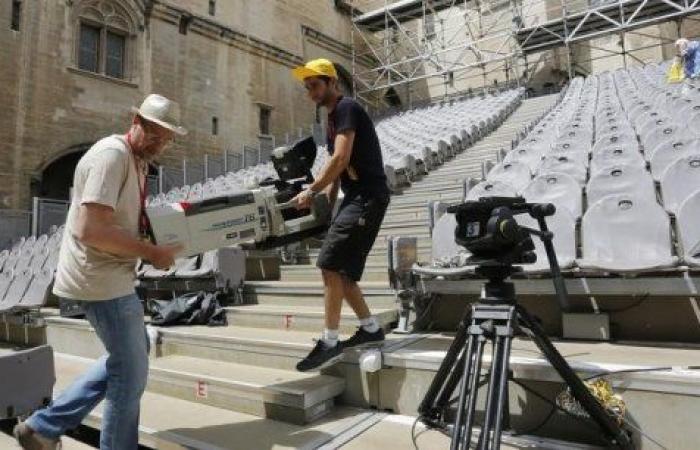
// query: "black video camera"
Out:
[488,229]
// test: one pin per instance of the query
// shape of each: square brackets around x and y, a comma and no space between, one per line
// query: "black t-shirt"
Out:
[366,158]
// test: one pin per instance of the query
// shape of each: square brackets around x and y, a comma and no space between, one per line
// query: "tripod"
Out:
[495,318]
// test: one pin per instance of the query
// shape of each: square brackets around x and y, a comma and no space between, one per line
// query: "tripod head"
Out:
[488,229]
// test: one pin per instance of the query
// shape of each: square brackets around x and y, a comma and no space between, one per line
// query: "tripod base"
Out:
[494,319]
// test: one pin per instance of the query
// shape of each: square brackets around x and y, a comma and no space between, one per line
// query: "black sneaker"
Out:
[320,357]
[362,336]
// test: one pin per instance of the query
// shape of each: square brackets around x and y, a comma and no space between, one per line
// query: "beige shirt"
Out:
[106,174]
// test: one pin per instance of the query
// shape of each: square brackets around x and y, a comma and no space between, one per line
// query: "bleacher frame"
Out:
[397,47]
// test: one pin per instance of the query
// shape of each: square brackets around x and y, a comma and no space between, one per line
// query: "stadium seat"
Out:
[531,156]
[688,230]
[27,383]
[491,189]
[560,163]
[615,155]
[38,291]
[680,179]
[516,174]
[444,247]
[621,179]
[560,189]
[652,137]
[563,225]
[16,290]
[621,233]
[667,152]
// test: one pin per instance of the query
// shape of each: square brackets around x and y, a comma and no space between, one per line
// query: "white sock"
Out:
[330,337]
[370,324]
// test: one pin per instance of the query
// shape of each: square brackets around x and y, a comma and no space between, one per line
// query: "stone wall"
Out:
[225,66]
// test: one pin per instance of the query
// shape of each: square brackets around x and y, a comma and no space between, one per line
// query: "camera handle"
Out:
[546,237]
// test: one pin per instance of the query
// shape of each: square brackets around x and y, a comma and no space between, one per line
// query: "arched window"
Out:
[105,30]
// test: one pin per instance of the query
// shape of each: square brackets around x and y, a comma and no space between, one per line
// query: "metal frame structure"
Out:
[452,40]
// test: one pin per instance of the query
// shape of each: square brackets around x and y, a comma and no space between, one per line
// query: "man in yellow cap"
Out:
[357,167]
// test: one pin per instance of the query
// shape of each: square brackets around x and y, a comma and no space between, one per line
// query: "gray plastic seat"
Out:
[621,179]
[4,255]
[625,140]
[531,156]
[491,189]
[576,144]
[444,247]
[39,289]
[564,164]
[680,179]
[16,290]
[666,153]
[516,174]
[560,189]
[654,136]
[688,229]
[28,377]
[616,155]
[6,278]
[563,225]
[621,233]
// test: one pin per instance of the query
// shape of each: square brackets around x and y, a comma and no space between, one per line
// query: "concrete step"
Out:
[171,423]
[284,395]
[303,318]
[308,272]
[8,442]
[312,295]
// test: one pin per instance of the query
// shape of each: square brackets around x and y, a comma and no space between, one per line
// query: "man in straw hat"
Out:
[102,241]
[356,166]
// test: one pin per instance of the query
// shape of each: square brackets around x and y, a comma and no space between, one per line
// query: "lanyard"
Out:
[143,218]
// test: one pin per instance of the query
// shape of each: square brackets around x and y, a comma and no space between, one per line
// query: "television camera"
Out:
[266,216]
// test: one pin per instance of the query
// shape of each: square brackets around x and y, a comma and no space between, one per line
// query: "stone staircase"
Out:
[244,372]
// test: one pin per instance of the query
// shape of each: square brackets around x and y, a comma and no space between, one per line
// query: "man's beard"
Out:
[150,153]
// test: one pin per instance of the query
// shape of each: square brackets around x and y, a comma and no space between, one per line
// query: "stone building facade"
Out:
[70,70]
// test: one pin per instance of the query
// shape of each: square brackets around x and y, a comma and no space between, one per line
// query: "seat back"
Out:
[669,151]
[27,382]
[616,155]
[563,225]
[564,164]
[621,179]
[560,189]
[622,230]
[444,247]
[491,189]
[516,174]
[680,179]
[688,230]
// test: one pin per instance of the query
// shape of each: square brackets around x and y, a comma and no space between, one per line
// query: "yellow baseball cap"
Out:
[316,68]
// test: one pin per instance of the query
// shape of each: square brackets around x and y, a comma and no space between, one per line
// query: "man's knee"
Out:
[331,276]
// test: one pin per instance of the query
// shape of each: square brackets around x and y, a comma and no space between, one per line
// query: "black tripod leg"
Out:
[428,407]
[503,410]
[613,431]
[464,393]
[492,397]
[473,389]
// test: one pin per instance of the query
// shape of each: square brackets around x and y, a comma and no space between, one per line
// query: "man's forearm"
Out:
[329,174]
[114,240]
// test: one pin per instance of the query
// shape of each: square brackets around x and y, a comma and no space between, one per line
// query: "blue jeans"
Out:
[119,378]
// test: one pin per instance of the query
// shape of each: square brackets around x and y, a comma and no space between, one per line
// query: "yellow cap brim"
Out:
[301,73]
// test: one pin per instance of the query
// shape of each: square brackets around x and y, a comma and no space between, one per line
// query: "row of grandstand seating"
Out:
[412,142]
[599,156]
[27,271]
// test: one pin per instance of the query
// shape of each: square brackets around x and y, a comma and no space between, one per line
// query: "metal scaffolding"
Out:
[421,46]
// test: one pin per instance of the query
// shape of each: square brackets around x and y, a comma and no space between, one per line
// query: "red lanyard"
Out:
[143,218]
